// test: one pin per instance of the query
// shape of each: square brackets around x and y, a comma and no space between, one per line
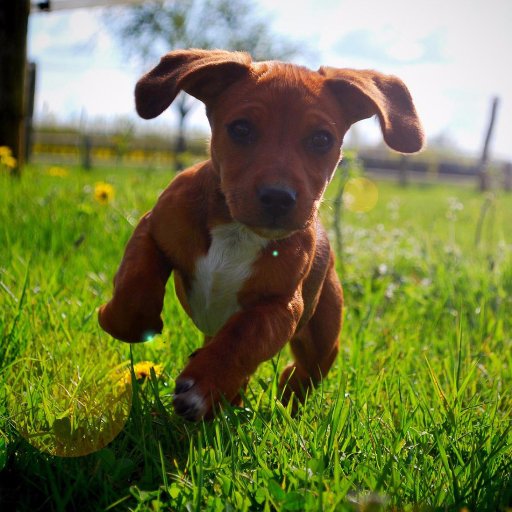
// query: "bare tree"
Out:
[148,30]
[483,172]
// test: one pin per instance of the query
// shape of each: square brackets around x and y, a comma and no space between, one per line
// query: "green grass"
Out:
[415,414]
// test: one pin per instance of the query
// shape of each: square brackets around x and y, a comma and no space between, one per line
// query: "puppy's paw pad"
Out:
[182,386]
[188,402]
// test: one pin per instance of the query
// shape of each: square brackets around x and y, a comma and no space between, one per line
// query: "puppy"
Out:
[251,261]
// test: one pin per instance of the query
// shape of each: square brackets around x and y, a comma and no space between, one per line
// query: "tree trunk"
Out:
[483,174]
[30,92]
[13,50]
[183,106]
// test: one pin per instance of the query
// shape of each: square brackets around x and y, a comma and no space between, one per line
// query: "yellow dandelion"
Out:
[141,370]
[6,158]
[58,172]
[9,161]
[103,192]
[5,151]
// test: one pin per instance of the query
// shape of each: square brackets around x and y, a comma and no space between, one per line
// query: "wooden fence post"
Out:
[30,91]
[13,50]
[86,152]
[483,173]
[507,177]
[403,174]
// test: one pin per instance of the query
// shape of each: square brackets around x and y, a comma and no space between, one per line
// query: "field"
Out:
[415,414]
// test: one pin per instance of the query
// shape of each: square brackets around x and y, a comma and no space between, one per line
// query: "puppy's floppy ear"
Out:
[201,73]
[365,93]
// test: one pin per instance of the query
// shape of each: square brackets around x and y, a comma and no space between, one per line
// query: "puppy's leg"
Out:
[315,345]
[222,367]
[133,314]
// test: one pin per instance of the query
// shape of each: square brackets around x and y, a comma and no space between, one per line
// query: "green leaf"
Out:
[275,490]
[316,465]
[294,501]
[174,491]
[261,495]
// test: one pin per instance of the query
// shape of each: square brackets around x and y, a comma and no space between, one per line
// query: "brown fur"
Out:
[292,292]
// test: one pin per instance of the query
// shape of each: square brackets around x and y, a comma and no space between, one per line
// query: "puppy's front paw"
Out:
[189,401]
[209,380]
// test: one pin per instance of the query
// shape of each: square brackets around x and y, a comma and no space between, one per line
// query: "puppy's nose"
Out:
[277,201]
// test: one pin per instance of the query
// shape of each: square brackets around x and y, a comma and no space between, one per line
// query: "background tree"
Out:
[147,31]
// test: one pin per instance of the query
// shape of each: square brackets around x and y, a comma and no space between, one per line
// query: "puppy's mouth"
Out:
[275,229]
[272,233]
[275,215]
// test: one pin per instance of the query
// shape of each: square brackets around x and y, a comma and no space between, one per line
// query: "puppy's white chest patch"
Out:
[221,273]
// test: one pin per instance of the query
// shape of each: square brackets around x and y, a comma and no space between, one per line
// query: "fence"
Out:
[73,148]
[70,147]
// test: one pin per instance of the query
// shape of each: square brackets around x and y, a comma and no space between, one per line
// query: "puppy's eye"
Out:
[320,142]
[241,131]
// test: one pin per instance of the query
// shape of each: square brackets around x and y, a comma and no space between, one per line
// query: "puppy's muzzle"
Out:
[277,202]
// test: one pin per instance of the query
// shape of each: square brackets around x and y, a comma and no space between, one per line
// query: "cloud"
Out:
[390,47]
[56,35]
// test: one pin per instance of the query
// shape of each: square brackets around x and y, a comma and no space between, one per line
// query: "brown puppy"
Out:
[252,264]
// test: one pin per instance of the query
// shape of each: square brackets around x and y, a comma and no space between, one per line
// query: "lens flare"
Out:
[360,195]
[149,335]
[61,406]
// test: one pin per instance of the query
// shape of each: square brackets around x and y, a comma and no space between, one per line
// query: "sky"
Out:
[454,55]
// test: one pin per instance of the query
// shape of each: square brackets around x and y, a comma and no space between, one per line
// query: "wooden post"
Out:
[403,175]
[86,152]
[29,117]
[338,213]
[13,51]
[483,174]
[507,177]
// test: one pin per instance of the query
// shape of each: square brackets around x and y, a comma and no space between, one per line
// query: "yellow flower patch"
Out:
[59,172]
[5,151]
[6,158]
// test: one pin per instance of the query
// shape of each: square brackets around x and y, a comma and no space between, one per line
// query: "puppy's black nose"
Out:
[277,201]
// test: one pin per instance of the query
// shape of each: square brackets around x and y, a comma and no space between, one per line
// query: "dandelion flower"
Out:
[5,151]
[142,371]
[9,161]
[103,192]
[6,158]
